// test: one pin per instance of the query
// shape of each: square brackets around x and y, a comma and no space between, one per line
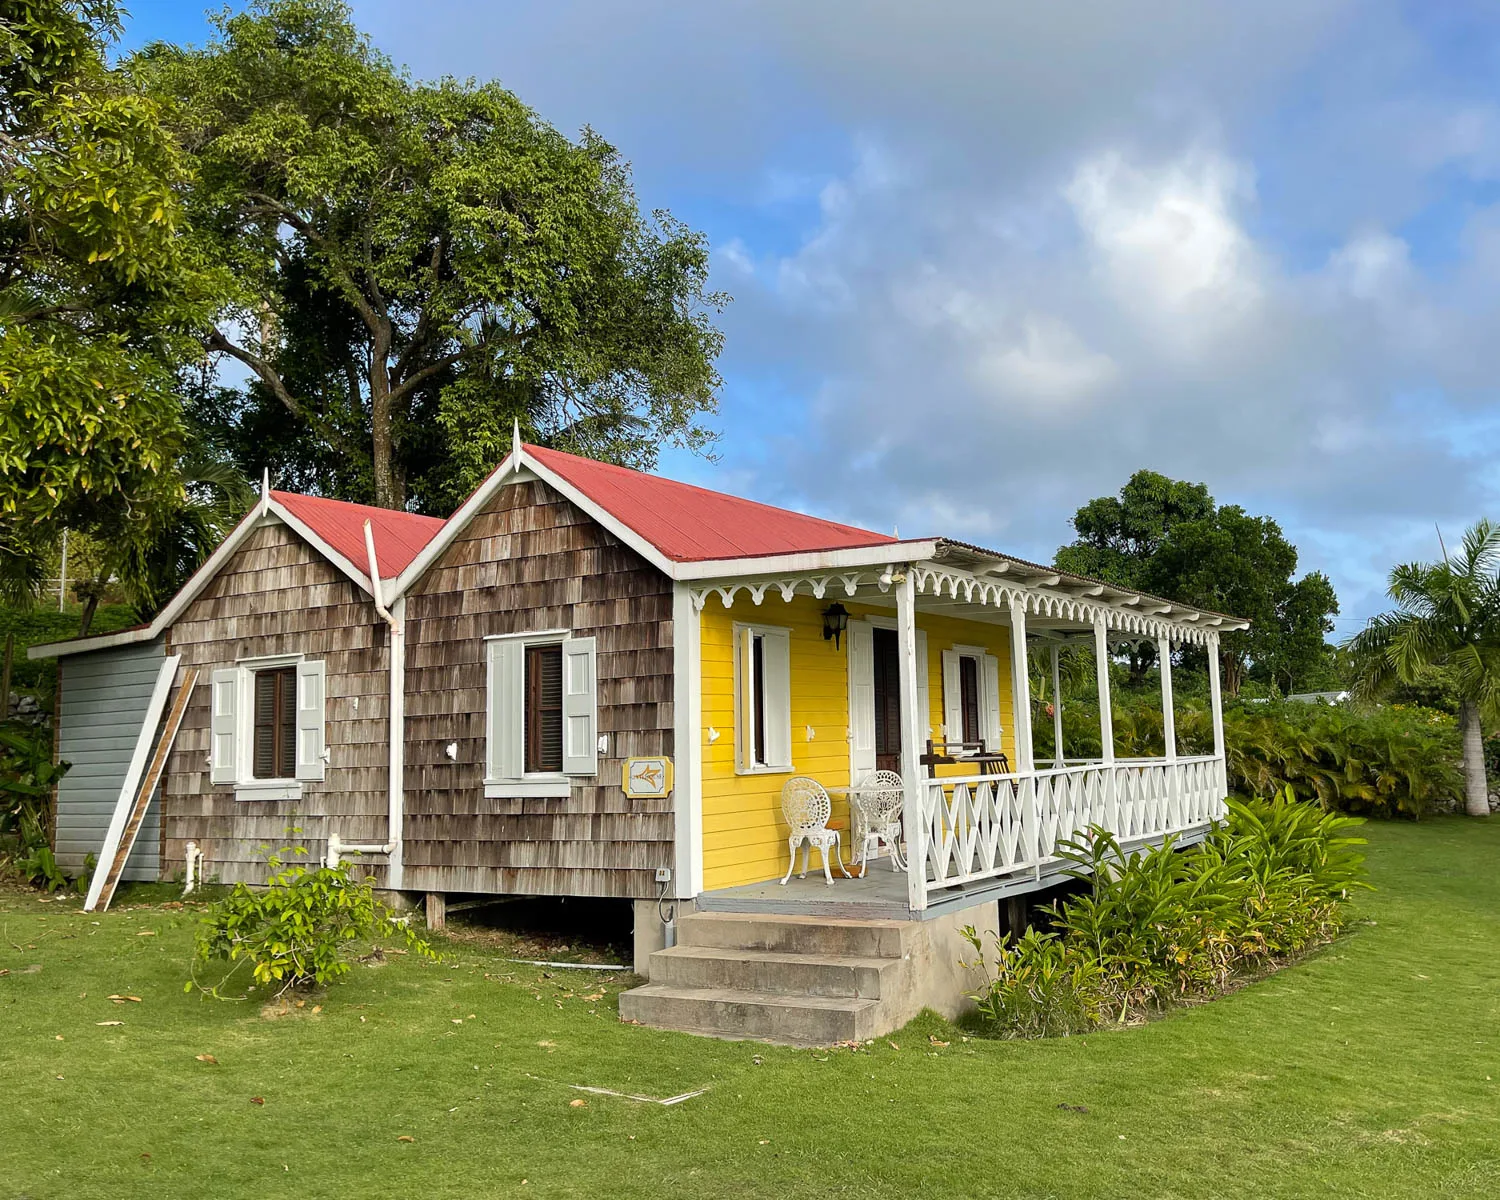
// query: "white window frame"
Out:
[531,784]
[987,676]
[743,740]
[246,785]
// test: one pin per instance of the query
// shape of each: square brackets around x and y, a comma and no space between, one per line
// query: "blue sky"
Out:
[988,258]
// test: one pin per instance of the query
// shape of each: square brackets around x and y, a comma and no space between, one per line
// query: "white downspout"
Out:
[397,737]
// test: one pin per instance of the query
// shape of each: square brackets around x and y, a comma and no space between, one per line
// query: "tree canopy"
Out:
[418,264]
[1171,539]
[99,293]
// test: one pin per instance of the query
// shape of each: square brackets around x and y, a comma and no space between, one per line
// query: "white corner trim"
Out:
[542,787]
[687,695]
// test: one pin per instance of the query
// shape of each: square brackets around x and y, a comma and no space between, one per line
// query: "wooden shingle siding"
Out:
[533,562]
[99,715]
[279,596]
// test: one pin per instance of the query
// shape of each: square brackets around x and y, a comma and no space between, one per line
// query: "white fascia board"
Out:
[516,467]
[890,553]
[199,580]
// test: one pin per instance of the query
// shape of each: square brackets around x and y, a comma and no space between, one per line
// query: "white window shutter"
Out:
[924,690]
[505,711]
[953,714]
[311,685]
[224,696]
[580,707]
[777,659]
[989,675]
[861,644]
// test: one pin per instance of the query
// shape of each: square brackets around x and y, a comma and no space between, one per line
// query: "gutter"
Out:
[396,797]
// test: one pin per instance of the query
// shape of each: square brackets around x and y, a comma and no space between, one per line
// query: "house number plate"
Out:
[647,778]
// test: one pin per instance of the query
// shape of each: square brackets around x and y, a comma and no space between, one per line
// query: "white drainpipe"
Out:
[193,857]
[397,737]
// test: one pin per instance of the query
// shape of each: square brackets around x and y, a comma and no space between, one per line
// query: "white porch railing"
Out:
[976,827]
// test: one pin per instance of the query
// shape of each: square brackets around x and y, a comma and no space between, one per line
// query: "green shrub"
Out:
[1159,926]
[297,930]
[27,777]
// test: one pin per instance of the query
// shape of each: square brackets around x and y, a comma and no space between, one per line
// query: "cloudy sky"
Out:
[990,257]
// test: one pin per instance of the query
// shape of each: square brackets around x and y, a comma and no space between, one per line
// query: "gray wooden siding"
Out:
[101,704]
[533,561]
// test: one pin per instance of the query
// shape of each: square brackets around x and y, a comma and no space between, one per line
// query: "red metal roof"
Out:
[399,536]
[692,524]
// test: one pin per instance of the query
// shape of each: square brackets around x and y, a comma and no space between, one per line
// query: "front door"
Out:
[887,702]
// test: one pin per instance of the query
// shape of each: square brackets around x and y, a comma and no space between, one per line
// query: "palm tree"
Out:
[1447,615]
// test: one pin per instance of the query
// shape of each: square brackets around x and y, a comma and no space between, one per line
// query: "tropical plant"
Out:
[1447,615]
[297,929]
[1160,926]
[100,293]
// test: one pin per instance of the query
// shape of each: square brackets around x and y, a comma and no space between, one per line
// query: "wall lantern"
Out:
[835,621]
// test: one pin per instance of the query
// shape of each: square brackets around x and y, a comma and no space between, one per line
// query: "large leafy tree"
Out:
[1170,538]
[99,293]
[1447,616]
[1119,536]
[422,263]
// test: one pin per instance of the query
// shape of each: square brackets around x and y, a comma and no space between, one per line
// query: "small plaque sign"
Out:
[647,778]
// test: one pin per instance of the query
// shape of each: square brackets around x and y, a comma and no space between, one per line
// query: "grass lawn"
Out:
[1373,1069]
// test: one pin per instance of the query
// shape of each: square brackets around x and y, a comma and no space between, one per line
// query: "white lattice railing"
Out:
[978,827]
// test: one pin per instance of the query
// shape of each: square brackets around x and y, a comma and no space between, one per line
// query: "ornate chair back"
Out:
[805,804]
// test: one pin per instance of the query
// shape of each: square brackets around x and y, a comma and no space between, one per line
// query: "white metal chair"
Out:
[806,808]
[880,797]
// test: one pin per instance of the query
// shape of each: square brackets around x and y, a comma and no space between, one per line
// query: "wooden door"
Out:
[887,701]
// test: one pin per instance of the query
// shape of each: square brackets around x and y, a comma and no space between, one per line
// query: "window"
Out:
[971,696]
[267,726]
[763,699]
[542,720]
[275,748]
[968,696]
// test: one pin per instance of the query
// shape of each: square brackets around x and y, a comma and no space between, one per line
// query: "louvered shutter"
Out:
[989,700]
[224,708]
[861,647]
[776,659]
[953,711]
[580,707]
[506,702]
[311,686]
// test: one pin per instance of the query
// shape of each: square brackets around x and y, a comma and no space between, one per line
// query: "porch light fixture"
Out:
[835,621]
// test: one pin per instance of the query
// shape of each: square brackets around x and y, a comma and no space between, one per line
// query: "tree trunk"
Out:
[90,606]
[387,487]
[1476,784]
[10,658]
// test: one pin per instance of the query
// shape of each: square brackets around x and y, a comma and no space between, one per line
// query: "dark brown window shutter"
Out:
[286,746]
[544,708]
[264,765]
[968,690]
[275,749]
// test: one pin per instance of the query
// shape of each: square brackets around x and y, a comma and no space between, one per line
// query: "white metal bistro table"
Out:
[859,820]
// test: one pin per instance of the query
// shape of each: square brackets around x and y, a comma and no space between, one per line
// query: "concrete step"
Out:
[772,971]
[739,1013]
[818,936]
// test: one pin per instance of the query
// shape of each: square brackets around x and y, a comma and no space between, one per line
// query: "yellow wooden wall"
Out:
[744,838]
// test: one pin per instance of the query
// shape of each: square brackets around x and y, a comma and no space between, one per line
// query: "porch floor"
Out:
[882,895]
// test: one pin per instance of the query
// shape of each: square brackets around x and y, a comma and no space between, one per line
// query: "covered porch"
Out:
[977,832]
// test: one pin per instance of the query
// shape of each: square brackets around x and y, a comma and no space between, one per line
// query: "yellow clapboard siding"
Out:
[744,837]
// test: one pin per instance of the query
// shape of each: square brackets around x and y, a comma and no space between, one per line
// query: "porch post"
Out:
[913,727]
[1020,687]
[1216,706]
[1168,711]
[1101,670]
[1057,741]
